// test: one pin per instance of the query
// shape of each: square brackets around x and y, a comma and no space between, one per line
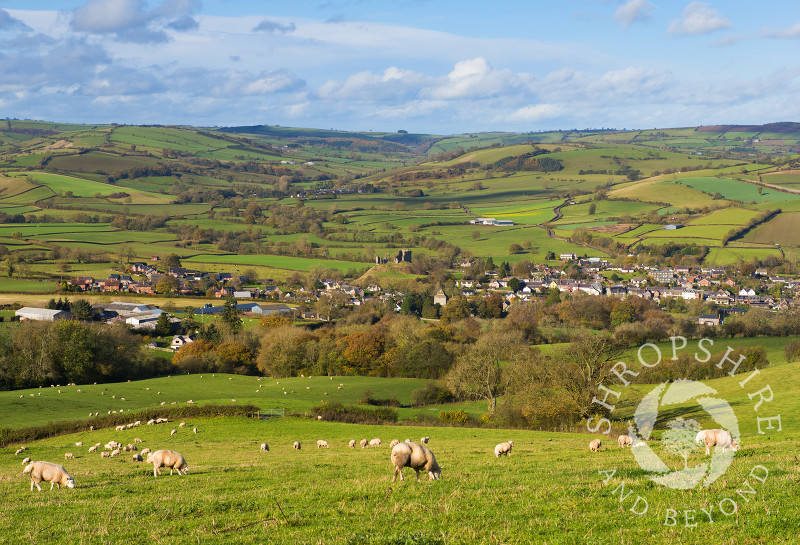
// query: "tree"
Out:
[82,309]
[622,313]
[167,285]
[163,325]
[172,261]
[514,248]
[230,315]
[592,208]
[477,374]
[514,284]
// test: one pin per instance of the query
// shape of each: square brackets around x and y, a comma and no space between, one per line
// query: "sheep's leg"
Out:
[394,475]
[707,451]
[417,470]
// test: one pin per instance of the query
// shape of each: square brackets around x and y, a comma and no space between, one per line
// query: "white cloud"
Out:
[394,83]
[271,27]
[130,21]
[538,112]
[474,78]
[698,18]
[791,32]
[7,22]
[633,12]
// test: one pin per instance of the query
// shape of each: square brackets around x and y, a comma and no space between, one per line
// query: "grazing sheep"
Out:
[595,445]
[69,456]
[194,430]
[52,473]
[624,440]
[363,443]
[25,461]
[503,448]
[375,442]
[146,451]
[79,444]
[93,448]
[115,452]
[167,458]
[393,443]
[132,447]
[322,444]
[264,447]
[639,444]
[173,432]
[137,457]
[105,454]
[424,441]
[182,425]
[352,443]
[137,440]
[19,451]
[190,402]
[296,445]
[717,438]
[416,457]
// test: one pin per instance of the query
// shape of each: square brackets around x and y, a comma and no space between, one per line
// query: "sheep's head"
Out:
[70,483]
[734,446]
[186,470]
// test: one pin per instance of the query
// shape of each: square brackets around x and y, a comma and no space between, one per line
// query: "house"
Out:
[747,292]
[568,256]
[440,298]
[179,341]
[709,319]
[26,314]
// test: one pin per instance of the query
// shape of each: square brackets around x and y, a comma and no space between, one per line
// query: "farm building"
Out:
[440,298]
[256,308]
[490,221]
[672,226]
[243,294]
[42,314]
[178,341]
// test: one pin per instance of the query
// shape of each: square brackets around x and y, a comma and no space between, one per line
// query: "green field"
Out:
[736,190]
[278,262]
[550,489]
[782,229]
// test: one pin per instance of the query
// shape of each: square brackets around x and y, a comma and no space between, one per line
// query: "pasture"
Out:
[782,229]
[550,489]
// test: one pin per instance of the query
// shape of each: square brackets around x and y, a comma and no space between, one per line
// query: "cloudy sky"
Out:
[434,66]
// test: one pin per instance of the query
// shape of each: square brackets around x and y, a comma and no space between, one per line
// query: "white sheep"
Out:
[416,457]
[26,461]
[194,430]
[79,444]
[137,440]
[51,473]
[264,447]
[137,457]
[717,438]
[375,442]
[93,448]
[322,444]
[352,443]
[182,425]
[296,445]
[503,448]
[424,440]
[167,458]
[173,432]
[146,451]
[363,443]
[595,445]
[624,440]
[394,442]
[115,452]
[105,454]
[69,456]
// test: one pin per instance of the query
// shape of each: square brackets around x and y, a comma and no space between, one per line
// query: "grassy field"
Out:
[551,489]
[782,229]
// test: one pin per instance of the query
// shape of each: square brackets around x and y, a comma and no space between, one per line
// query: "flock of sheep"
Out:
[710,438]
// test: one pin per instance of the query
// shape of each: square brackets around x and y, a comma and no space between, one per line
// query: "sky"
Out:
[428,66]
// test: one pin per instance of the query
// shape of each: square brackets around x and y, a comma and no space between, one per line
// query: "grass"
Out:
[280,262]
[782,229]
[736,190]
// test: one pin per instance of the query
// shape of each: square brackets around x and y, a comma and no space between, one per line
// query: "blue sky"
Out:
[434,66]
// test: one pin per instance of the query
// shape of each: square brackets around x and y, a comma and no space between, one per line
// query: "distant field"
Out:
[725,216]
[783,229]
[87,188]
[672,193]
[280,262]
[733,256]
[16,285]
[736,190]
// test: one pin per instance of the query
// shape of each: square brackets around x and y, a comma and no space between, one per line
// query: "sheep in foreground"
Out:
[717,438]
[296,445]
[51,473]
[503,448]
[595,445]
[363,443]
[416,457]
[167,458]
[352,443]
[322,444]
[394,442]
[625,440]
[264,447]
[375,442]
